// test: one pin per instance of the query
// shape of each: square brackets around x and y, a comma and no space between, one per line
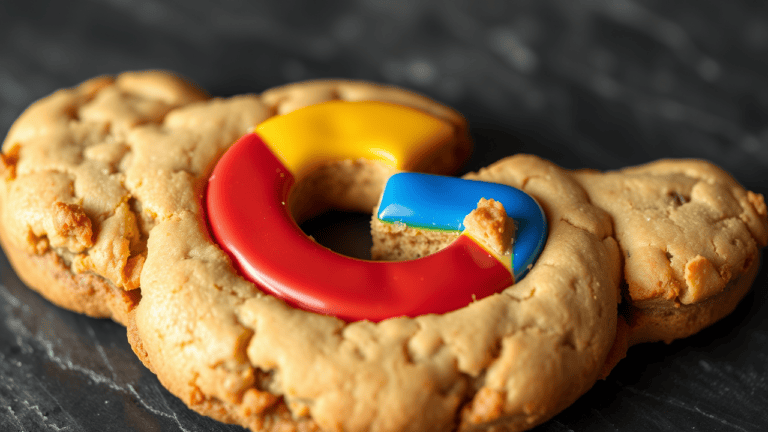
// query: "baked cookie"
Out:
[690,236]
[103,209]
[89,171]
[132,156]
[101,212]
[240,356]
[68,222]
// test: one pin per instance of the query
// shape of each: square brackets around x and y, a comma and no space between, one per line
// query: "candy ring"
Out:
[249,192]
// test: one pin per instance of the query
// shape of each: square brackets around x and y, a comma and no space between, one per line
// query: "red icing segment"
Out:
[246,204]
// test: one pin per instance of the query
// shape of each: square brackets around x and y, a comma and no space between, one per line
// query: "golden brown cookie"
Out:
[690,236]
[100,210]
[69,222]
[513,359]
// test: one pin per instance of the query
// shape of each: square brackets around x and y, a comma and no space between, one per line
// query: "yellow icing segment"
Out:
[393,134]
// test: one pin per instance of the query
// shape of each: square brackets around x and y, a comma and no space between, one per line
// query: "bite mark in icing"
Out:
[441,203]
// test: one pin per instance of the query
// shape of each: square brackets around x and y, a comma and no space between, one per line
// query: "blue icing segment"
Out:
[427,201]
[441,203]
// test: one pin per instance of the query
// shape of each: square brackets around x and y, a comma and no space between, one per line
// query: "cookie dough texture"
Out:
[88,172]
[70,217]
[100,210]
[508,361]
[690,237]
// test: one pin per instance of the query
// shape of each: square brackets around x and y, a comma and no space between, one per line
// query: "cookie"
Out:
[108,202]
[233,353]
[690,236]
[85,181]
[68,223]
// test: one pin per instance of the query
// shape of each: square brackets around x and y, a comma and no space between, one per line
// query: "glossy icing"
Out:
[246,205]
[377,131]
[271,250]
[441,203]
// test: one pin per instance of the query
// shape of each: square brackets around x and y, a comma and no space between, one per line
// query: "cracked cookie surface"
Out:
[100,212]
[132,154]
[69,220]
[238,355]
[690,236]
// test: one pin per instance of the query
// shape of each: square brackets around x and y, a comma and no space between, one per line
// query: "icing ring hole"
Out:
[345,185]
[333,204]
[346,233]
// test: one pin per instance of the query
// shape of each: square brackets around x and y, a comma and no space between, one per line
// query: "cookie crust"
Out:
[690,237]
[215,341]
[85,293]
[132,154]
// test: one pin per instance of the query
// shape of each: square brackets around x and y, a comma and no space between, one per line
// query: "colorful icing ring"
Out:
[440,203]
[249,217]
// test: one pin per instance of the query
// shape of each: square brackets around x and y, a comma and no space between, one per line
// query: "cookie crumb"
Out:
[72,226]
[398,226]
[256,402]
[487,405]
[489,223]
[8,162]
[758,202]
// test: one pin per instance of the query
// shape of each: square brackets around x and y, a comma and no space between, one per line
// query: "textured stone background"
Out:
[584,83]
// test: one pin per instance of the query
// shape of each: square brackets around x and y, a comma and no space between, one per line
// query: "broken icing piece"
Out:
[440,203]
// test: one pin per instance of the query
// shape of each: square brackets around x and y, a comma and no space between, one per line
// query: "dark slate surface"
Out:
[586,84]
